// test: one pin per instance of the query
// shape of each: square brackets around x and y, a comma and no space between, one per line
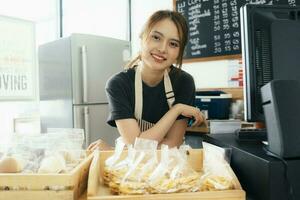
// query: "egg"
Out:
[10,164]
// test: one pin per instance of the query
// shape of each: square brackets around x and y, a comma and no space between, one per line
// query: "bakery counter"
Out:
[262,176]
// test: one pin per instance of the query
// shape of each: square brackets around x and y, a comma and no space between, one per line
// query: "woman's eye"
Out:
[174,44]
[155,37]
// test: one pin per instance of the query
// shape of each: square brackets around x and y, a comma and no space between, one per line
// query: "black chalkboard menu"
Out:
[214,26]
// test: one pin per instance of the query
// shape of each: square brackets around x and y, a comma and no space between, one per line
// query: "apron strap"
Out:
[169,89]
[138,90]
[138,108]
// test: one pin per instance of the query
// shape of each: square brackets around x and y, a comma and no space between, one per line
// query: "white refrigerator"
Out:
[72,76]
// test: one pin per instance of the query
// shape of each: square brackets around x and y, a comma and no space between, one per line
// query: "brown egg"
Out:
[9,165]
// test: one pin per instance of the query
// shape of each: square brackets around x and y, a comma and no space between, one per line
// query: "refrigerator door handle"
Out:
[86,126]
[84,73]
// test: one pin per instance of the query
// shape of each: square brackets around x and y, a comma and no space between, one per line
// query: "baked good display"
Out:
[141,172]
[214,183]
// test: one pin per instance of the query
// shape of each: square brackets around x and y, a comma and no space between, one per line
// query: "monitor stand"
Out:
[251,134]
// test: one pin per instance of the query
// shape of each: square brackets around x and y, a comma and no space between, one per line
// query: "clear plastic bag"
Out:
[69,143]
[52,163]
[73,138]
[113,160]
[141,172]
[119,169]
[186,178]
[30,150]
[134,181]
[173,174]
[145,159]
[217,173]
[23,149]
[119,146]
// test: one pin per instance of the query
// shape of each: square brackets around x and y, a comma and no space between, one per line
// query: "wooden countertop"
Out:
[199,129]
[237,92]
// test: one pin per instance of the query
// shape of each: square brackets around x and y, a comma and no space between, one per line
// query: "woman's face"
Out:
[161,48]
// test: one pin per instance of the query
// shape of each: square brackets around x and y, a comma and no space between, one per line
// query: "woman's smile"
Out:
[158,58]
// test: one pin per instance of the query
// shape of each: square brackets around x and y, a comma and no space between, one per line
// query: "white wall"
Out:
[45,15]
[97,17]
[206,74]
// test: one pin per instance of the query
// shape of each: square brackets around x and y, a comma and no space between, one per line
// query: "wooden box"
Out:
[97,191]
[67,186]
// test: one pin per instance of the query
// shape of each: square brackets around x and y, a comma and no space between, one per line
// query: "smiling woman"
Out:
[153,98]
[161,47]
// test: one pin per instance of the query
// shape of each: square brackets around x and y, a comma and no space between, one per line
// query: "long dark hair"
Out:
[181,26]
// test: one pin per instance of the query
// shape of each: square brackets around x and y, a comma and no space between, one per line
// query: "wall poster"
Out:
[17,59]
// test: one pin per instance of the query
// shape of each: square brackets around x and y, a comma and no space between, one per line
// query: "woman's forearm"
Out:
[161,128]
[129,128]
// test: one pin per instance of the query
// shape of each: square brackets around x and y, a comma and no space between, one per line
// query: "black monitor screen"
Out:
[270,50]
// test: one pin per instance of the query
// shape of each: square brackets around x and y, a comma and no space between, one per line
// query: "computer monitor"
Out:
[270,50]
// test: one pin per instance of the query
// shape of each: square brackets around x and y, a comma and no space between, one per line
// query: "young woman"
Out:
[153,98]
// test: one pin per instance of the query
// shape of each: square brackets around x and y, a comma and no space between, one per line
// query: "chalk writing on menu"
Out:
[214,26]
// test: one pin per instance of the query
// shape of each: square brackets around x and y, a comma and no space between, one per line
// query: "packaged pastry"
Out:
[216,182]
[173,174]
[113,165]
[113,175]
[52,164]
[217,174]
[145,160]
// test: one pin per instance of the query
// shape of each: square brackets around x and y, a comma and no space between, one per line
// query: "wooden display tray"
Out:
[97,191]
[73,183]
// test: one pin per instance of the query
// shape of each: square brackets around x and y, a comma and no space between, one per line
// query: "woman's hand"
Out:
[100,145]
[191,112]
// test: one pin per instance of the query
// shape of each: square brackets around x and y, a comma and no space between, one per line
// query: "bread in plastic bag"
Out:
[30,150]
[217,173]
[112,160]
[118,170]
[173,174]
[135,179]
[54,163]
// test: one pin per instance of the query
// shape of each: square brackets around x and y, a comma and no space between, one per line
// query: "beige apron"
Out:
[138,110]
